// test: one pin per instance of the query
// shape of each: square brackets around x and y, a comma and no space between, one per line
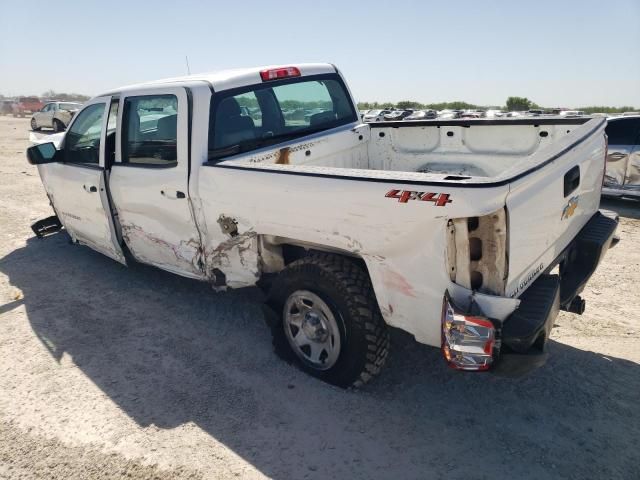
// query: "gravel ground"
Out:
[109,372]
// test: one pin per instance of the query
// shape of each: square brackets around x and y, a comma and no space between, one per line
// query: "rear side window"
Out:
[149,130]
[623,131]
[246,119]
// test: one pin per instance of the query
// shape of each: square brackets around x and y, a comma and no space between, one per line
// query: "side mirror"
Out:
[43,153]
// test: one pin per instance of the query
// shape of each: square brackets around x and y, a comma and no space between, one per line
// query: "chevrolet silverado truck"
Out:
[470,235]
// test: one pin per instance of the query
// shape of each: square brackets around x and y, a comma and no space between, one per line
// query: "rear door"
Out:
[149,180]
[76,185]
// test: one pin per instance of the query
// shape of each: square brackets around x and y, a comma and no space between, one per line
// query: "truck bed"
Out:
[457,151]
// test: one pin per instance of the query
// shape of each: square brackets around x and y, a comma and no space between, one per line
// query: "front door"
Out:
[149,181]
[76,184]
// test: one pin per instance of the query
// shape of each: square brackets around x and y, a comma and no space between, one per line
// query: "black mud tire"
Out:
[347,290]
[58,126]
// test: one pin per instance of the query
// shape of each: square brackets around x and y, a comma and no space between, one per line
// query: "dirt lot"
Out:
[108,372]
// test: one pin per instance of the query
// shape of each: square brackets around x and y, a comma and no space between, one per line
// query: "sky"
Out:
[565,53]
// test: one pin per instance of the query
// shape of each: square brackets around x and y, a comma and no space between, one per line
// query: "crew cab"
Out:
[469,234]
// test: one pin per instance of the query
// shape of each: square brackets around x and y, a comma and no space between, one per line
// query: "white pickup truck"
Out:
[469,234]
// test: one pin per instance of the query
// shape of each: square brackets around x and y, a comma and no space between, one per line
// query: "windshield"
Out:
[249,118]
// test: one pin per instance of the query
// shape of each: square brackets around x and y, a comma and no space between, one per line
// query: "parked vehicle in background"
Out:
[622,177]
[513,114]
[6,107]
[397,115]
[375,116]
[535,112]
[56,115]
[470,114]
[26,105]
[630,114]
[449,230]
[445,114]
[571,113]
[422,115]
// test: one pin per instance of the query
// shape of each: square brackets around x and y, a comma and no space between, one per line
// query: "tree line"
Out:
[512,104]
[53,95]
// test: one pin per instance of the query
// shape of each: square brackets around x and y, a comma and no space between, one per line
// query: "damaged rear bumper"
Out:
[524,327]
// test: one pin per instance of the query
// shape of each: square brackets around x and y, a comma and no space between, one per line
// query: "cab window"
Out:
[82,141]
[149,130]
[272,112]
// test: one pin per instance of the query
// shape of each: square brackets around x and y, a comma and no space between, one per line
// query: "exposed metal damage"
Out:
[140,242]
[237,258]
[477,252]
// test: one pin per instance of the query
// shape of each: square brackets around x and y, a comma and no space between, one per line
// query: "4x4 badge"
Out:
[403,196]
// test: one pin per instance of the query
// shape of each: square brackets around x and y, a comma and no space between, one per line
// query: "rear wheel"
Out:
[58,126]
[327,320]
[34,125]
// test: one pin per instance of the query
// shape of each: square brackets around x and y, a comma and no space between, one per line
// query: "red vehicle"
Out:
[24,105]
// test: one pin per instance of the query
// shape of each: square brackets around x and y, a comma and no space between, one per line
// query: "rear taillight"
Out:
[278,73]
[467,341]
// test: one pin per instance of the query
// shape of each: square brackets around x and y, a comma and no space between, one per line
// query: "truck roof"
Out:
[234,78]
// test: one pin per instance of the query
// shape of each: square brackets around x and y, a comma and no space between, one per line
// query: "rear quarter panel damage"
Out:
[403,245]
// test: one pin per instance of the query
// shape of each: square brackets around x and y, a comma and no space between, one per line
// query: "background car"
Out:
[572,113]
[56,115]
[25,105]
[494,113]
[449,114]
[397,115]
[470,114]
[622,175]
[375,115]
[422,115]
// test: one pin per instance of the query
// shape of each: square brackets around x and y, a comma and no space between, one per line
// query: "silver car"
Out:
[622,177]
[56,115]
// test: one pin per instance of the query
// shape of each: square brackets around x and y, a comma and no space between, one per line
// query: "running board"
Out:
[46,226]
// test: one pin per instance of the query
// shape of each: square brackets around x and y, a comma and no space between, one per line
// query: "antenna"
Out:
[188,69]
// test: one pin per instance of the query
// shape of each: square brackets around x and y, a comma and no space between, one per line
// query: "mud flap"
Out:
[46,226]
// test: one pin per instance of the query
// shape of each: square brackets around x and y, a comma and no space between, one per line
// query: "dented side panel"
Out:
[404,245]
[153,205]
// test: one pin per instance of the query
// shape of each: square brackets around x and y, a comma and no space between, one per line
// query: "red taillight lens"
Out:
[467,341]
[277,73]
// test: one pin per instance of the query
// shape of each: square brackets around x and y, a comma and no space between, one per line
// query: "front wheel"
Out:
[34,125]
[327,320]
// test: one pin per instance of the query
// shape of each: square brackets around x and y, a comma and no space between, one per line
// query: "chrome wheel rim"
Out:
[311,329]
